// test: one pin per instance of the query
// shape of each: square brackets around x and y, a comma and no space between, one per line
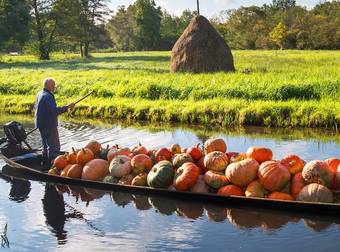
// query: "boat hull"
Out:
[18,169]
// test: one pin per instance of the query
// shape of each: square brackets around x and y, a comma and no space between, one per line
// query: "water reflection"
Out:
[20,188]
[54,211]
[241,218]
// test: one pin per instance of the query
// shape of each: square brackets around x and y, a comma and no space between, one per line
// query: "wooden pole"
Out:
[198,7]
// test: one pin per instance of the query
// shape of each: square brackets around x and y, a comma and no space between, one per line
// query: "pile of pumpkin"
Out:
[208,170]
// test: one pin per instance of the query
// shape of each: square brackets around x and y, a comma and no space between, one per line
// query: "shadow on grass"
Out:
[89,64]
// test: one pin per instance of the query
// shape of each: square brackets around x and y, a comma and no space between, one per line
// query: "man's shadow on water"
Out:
[56,215]
[54,211]
[53,204]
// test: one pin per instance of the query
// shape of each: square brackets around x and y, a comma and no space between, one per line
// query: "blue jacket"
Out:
[46,110]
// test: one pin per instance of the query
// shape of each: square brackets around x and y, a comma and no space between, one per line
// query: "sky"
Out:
[208,8]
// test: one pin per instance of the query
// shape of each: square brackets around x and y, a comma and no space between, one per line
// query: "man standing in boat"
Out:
[46,120]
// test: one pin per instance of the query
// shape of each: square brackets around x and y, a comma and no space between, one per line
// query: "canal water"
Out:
[47,217]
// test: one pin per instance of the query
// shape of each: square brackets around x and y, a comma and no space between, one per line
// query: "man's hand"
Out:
[71,106]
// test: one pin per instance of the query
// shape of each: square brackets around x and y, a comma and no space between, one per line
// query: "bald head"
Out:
[49,84]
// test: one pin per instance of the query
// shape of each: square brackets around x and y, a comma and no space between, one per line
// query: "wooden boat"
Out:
[28,165]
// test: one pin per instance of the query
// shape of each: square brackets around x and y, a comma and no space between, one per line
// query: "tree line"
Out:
[44,26]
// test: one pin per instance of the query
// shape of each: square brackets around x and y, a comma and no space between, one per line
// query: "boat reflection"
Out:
[240,218]
[20,188]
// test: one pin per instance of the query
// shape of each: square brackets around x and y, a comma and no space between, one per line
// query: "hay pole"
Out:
[198,7]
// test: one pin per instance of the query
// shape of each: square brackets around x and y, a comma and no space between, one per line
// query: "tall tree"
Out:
[44,25]
[172,27]
[283,4]
[79,21]
[122,28]
[14,24]
[278,34]
[148,18]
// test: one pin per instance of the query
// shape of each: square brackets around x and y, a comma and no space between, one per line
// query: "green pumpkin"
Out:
[103,153]
[180,159]
[110,180]
[161,175]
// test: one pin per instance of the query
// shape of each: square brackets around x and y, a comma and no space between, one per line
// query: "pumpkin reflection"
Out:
[240,218]
[273,220]
[61,189]
[317,225]
[141,202]
[189,210]
[94,193]
[76,191]
[163,205]
[244,218]
[216,213]
[121,199]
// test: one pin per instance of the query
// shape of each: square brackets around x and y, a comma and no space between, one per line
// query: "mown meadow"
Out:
[269,88]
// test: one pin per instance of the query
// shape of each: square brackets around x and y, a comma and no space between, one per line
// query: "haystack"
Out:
[201,49]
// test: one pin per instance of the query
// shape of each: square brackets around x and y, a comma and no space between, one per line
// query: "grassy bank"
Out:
[270,88]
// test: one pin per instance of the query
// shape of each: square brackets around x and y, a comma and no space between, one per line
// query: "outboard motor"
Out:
[15,136]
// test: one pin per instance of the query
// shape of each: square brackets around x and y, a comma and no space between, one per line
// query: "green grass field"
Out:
[269,88]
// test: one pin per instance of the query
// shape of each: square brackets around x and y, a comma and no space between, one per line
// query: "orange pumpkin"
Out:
[255,189]
[230,190]
[84,156]
[75,171]
[200,164]
[186,176]
[260,154]
[297,184]
[318,172]
[243,172]
[140,180]
[117,152]
[141,163]
[315,193]
[293,163]
[336,181]
[280,196]
[95,147]
[195,152]
[333,164]
[139,149]
[163,154]
[65,170]
[175,148]
[215,179]
[72,156]
[60,162]
[216,144]
[216,161]
[96,170]
[236,157]
[54,171]
[273,175]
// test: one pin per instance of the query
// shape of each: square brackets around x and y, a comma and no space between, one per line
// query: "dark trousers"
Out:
[51,145]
